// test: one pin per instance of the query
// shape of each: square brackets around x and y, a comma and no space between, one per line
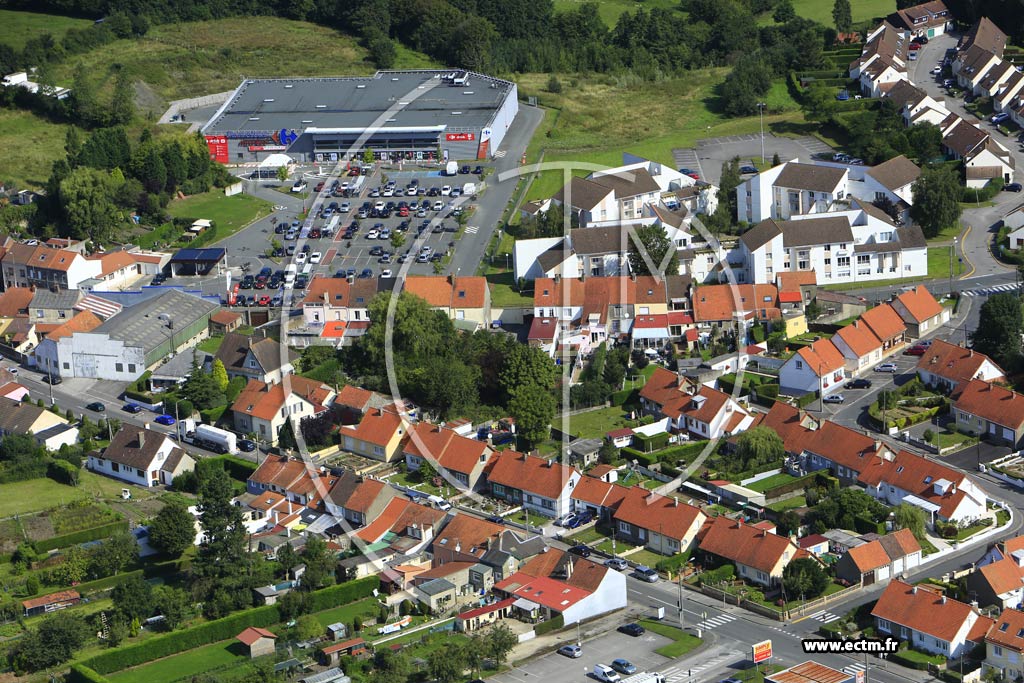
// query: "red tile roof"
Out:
[353,397]
[869,556]
[467,291]
[861,340]
[254,633]
[1008,630]
[84,321]
[15,301]
[922,610]
[663,390]
[470,534]
[378,427]
[920,303]
[443,446]
[597,492]
[822,357]
[351,644]
[723,302]
[486,609]
[952,362]
[793,280]
[223,317]
[264,401]
[553,594]
[41,257]
[364,495]
[884,321]
[538,476]
[739,542]
[992,402]
[916,475]
[1003,576]
[52,598]
[281,471]
[657,513]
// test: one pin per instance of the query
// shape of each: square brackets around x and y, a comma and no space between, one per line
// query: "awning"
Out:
[925,505]
[525,605]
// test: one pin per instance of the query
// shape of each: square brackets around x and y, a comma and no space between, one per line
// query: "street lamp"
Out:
[952,256]
[760,111]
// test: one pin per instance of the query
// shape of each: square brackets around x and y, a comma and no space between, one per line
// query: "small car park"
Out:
[634,629]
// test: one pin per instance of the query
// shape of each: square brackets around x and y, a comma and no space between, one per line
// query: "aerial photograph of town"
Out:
[511,341]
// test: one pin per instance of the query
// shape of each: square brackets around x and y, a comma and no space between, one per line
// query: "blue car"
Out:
[366,273]
[165,420]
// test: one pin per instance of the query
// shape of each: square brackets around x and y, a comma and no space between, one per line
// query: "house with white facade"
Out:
[540,485]
[883,60]
[693,408]
[880,560]
[759,554]
[1004,646]
[820,367]
[947,366]
[141,456]
[923,616]
[929,19]
[791,189]
[892,181]
[920,312]
[859,346]
[989,410]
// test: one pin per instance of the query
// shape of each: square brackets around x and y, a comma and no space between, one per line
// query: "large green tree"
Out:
[804,578]
[907,516]
[533,408]
[320,563]
[651,252]
[53,642]
[758,447]
[223,562]
[172,530]
[87,196]
[936,199]
[999,328]
[133,598]
[842,15]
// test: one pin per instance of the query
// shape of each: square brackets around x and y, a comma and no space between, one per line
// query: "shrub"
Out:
[84,536]
[549,625]
[82,674]
[674,563]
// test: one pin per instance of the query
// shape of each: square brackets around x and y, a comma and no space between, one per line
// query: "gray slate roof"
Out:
[611,240]
[761,234]
[142,326]
[16,417]
[895,173]
[825,230]
[234,347]
[134,446]
[61,299]
[583,194]
[810,177]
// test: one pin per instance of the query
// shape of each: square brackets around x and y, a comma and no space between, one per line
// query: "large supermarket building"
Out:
[413,115]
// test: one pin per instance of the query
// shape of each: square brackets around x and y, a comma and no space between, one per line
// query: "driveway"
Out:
[711,154]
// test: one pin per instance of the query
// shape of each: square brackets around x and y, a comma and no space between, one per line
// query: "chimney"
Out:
[971,353]
[142,440]
[550,463]
[913,591]
[943,599]
[676,503]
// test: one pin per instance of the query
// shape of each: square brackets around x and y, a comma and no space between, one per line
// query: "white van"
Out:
[307,269]
[289,273]
[440,503]
[605,673]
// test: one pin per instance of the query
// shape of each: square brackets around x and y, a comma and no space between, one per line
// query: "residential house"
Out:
[759,555]
[1008,97]
[557,583]
[141,456]
[859,346]
[470,579]
[886,324]
[892,181]
[1004,646]
[915,105]
[1014,220]
[537,484]
[48,429]
[885,44]
[725,305]
[264,360]
[791,189]
[622,194]
[358,500]
[378,435]
[928,620]
[880,560]
[465,539]
[929,19]
[598,497]
[53,306]
[353,402]
[659,523]
[336,310]
[290,480]
[46,267]
[990,410]
[264,408]
[820,367]
[1000,582]
[693,408]
[920,312]
[983,157]
[462,458]
[462,298]
[407,527]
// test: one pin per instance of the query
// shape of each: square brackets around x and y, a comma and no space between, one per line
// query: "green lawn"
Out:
[589,535]
[938,268]
[946,438]
[682,642]
[17,27]
[763,485]
[788,504]
[595,423]
[210,344]
[31,144]
[345,613]
[36,494]
[184,665]
[645,557]
[504,294]
[230,214]
[821,10]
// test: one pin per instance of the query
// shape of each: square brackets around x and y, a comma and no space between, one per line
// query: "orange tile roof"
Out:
[84,321]
[353,397]
[364,495]
[722,302]
[549,293]
[869,556]
[254,633]
[1008,630]
[657,513]
[789,281]
[15,301]
[916,475]
[884,321]
[920,303]
[822,357]
[539,476]
[662,387]
[281,471]
[378,427]
[952,362]
[446,291]
[1003,575]
[471,534]
[922,610]
[264,401]
[739,542]
[551,593]
[266,500]
[113,261]
[992,402]
[223,317]
[861,340]
[598,492]
[41,257]
[60,596]
[448,449]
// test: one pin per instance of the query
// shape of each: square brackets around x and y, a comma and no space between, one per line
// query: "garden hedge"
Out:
[673,563]
[80,673]
[84,536]
[549,625]
[236,467]
[223,629]
[645,459]
[866,525]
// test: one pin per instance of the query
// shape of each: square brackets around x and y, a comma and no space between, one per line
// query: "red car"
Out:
[263,300]
[319,186]
[916,350]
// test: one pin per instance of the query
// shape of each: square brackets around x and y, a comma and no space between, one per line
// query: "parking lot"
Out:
[600,650]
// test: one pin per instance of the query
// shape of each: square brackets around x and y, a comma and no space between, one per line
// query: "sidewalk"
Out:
[591,629]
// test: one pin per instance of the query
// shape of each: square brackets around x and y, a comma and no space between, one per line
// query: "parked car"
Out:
[859,384]
[52,379]
[132,408]
[605,674]
[835,398]
[571,651]
[916,350]
[166,420]
[887,367]
[496,519]
[842,95]
[748,169]
[645,573]
[581,550]
[635,630]
[1000,117]
[624,666]
[1013,187]
[96,407]
[616,563]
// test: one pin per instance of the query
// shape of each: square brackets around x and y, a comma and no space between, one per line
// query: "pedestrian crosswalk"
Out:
[685,673]
[854,668]
[824,617]
[472,229]
[713,622]
[500,153]
[990,290]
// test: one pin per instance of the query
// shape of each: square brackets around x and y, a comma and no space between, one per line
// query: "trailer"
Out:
[208,437]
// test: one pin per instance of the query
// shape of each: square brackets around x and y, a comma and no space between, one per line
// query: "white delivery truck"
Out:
[208,437]
[452,168]
[469,189]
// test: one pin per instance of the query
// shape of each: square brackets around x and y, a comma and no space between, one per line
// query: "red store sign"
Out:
[460,137]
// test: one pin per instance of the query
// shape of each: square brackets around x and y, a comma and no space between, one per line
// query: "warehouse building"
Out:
[413,115]
[128,344]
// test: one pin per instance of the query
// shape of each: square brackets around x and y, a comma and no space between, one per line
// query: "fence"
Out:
[770,612]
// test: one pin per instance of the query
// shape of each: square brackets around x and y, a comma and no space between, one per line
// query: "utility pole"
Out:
[682,605]
[760,110]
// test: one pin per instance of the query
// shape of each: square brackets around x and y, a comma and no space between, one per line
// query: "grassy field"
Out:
[30,146]
[17,27]
[602,116]
[763,485]
[594,424]
[36,494]
[821,11]
[611,10]
[504,295]
[681,642]
[184,665]
[198,58]
[229,213]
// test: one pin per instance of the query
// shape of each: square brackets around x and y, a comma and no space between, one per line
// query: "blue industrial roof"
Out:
[198,255]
